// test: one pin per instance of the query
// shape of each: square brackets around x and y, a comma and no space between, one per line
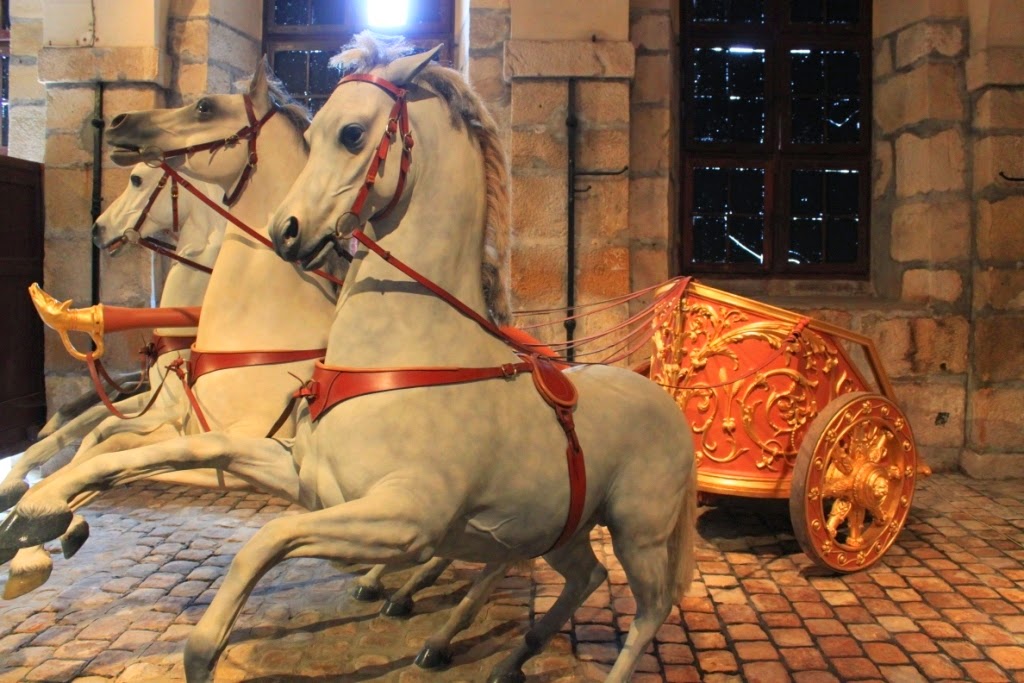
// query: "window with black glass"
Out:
[300,36]
[776,137]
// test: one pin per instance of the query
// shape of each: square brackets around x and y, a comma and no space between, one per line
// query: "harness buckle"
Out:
[509,370]
[231,141]
[132,236]
[392,128]
[407,141]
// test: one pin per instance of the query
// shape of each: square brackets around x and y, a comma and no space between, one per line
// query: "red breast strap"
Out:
[161,344]
[204,362]
[332,385]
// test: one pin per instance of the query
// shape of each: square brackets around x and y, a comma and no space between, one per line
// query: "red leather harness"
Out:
[332,385]
[248,132]
[149,354]
[204,362]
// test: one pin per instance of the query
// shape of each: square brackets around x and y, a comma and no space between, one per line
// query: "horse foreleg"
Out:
[45,511]
[385,526]
[583,574]
[14,485]
[114,425]
[436,650]
[400,603]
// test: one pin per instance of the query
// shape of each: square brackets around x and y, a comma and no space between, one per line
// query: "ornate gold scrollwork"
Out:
[726,366]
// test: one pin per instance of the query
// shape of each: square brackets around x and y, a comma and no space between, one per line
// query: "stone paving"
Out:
[945,604]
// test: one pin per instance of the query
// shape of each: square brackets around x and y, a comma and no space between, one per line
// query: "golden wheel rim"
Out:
[854,482]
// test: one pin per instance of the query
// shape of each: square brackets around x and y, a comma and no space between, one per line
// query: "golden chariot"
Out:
[779,410]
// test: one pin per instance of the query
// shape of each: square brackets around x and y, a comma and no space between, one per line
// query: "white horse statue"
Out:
[283,307]
[144,210]
[475,470]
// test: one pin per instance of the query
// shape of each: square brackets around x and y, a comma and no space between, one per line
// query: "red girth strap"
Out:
[204,362]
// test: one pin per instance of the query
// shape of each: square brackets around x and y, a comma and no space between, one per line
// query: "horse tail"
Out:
[683,544]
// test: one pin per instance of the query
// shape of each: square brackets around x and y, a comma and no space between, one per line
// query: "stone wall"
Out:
[948,79]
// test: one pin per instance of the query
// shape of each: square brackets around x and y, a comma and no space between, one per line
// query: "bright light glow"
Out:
[744,50]
[387,13]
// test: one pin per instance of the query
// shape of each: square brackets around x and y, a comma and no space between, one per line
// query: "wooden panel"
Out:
[22,398]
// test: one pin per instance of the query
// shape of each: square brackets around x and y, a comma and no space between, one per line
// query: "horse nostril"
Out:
[118,120]
[291,229]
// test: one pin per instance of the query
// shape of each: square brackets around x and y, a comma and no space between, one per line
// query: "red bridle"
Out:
[398,122]
[133,235]
[248,132]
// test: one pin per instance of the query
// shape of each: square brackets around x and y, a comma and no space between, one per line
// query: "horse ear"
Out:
[403,70]
[259,90]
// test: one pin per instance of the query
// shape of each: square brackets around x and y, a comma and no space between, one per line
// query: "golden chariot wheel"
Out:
[853,482]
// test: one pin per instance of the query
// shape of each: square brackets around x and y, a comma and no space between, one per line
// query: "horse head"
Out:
[152,204]
[212,139]
[354,171]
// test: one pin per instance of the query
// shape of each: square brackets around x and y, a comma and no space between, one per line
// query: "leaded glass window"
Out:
[300,36]
[776,136]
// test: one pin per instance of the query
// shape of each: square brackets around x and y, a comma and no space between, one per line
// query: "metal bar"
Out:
[571,123]
[97,186]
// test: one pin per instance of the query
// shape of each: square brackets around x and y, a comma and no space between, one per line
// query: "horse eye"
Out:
[352,136]
[136,181]
[204,106]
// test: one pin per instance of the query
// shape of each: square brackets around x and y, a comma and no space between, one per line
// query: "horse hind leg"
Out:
[583,574]
[436,651]
[400,603]
[659,570]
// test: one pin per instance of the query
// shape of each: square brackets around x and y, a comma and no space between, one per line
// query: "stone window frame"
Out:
[777,35]
[330,37]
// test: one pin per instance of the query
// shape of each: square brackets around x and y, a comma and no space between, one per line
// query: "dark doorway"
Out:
[22,397]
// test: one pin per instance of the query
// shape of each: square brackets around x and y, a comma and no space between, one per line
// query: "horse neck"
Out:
[438,231]
[255,300]
[201,230]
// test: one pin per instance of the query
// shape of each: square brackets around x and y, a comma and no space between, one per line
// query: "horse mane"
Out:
[368,51]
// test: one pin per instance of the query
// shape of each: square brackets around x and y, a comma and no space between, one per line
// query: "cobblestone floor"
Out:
[946,603]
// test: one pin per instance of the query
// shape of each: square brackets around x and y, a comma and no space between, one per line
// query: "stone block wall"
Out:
[947,227]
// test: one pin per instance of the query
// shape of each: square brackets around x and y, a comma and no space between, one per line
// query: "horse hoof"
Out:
[19,531]
[11,493]
[75,537]
[515,676]
[433,658]
[367,593]
[402,608]
[30,569]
